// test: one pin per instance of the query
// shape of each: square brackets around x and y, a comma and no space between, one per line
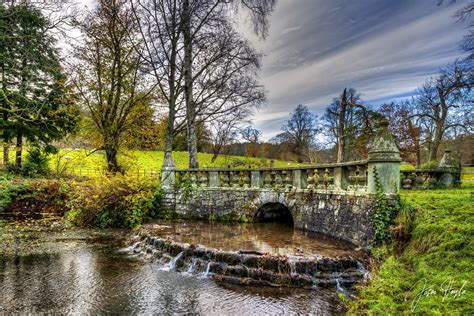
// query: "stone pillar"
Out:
[340,179]
[448,163]
[168,177]
[297,179]
[214,179]
[255,179]
[384,156]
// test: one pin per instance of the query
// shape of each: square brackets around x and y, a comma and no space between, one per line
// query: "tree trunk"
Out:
[111,156]
[168,159]
[6,156]
[19,149]
[111,149]
[188,87]
[418,156]
[341,128]
[6,145]
[440,122]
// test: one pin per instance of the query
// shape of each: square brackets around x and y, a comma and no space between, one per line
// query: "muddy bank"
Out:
[48,233]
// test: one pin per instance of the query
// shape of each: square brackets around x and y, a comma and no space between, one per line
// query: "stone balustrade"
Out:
[380,171]
[430,178]
[350,176]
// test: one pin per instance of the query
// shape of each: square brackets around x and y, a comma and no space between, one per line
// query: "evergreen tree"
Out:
[33,95]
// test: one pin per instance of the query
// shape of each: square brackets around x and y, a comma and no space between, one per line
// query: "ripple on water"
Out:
[99,278]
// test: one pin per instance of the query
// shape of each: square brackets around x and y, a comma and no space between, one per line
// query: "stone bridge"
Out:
[337,200]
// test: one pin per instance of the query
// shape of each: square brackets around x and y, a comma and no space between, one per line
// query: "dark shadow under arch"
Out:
[274,212]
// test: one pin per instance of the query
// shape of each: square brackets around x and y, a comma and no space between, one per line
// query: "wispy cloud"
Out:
[384,49]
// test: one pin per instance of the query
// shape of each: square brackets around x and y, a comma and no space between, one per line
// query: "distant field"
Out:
[86,162]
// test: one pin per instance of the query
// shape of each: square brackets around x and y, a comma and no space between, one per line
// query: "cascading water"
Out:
[172,264]
[252,267]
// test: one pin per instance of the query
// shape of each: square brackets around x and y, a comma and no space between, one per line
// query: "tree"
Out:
[465,14]
[224,133]
[299,133]
[348,125]
[108,80]
[159,26]
[462,15]
[204,68]
[251,134]
[445,104]
[252,137]
[406,127]
[34,99]
[205,17]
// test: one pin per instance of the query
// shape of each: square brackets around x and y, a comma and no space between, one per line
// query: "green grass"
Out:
[434,273]
[406,167]
[151,160]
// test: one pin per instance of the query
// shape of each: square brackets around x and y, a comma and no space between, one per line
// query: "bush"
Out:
[36,164]
[118,201]
[32,195]
[433,164]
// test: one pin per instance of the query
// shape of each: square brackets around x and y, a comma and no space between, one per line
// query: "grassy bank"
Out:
[433,274]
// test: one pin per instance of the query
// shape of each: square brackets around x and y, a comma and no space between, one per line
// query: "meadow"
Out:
[88,162]
[432,272]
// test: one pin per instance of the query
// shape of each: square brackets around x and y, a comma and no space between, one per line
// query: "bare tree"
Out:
[202,17]
[208,68]
[159,25]
[446,104]
[300,131]
[346,119]
[107,79]
[224,133]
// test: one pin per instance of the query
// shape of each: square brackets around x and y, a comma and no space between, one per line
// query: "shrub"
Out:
[118,201]
[32,195]
[433,164]
[36,164]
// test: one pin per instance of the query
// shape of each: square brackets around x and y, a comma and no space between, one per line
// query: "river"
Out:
[80,271]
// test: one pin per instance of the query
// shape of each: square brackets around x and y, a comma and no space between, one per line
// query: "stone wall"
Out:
[340,215]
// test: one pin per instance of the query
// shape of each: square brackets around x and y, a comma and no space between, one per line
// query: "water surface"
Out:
[90,274]
[273,238]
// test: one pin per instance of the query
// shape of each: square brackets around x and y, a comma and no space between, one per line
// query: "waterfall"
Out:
[192,266]
[339,288]
[172,264]
[207,270]
[292,267]
[208,267]
[360,268]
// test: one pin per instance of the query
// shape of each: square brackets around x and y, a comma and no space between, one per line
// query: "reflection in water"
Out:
[275,238]
[98,277]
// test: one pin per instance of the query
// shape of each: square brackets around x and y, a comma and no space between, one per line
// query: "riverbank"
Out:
[432,273]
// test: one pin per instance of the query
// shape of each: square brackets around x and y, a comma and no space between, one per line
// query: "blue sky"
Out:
[383,48]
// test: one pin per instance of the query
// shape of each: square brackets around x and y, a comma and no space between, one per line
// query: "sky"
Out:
[383,48]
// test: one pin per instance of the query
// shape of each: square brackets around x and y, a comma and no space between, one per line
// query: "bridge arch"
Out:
[274,212]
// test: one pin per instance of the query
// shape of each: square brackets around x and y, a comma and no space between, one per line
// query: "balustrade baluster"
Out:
[235,179]
[326,178]
[287,179]
[203,179]
[278,179]
[247,180]
[315,179]
[267,180]
[224,179]
[309,179]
